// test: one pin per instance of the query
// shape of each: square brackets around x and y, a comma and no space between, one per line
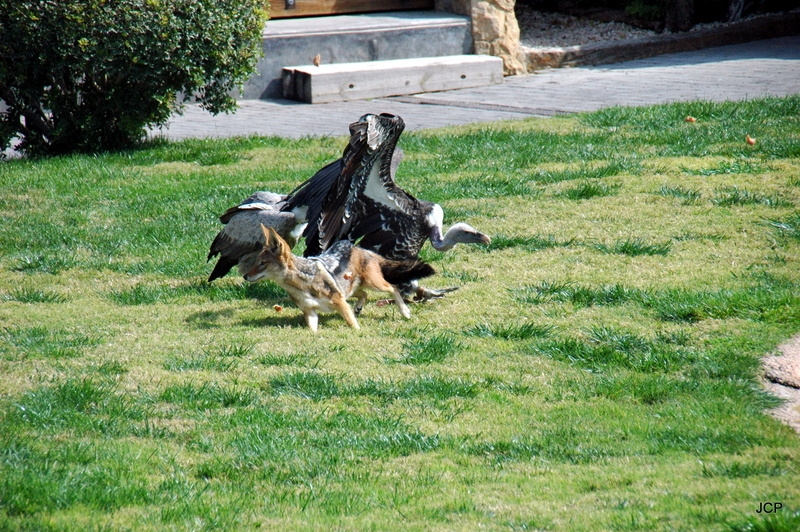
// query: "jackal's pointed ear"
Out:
[266,236]
[275,243]
[279,245]
[270,242]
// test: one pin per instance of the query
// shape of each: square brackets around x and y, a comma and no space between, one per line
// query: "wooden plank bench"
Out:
[379,79]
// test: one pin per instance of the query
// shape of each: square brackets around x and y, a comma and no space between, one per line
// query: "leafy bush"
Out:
[91,75]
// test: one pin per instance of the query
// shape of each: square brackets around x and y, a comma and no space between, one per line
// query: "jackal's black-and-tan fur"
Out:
[325,282]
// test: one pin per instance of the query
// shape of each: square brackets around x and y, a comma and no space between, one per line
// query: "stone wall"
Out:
[494,29]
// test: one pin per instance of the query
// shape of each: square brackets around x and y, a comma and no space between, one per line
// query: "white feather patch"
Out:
[375,189]
[373,136]
[297,232]
[256,207]
[300,213]
[436,216]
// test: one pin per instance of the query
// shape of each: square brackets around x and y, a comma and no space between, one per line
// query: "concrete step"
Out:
[379,79]
[354,38]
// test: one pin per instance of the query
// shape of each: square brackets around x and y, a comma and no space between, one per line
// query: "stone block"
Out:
[380,79]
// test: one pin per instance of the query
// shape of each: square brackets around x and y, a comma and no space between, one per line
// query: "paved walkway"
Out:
[736,72]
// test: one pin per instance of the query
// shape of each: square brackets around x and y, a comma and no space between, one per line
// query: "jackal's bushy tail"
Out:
[403,271]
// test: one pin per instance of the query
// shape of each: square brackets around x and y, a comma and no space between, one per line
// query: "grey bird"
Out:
[241,240]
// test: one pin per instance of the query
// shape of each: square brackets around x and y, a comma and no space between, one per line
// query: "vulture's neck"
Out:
[443,243]
[438,241]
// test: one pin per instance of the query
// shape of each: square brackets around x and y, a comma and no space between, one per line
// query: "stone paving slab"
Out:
[284,118]
[737,72]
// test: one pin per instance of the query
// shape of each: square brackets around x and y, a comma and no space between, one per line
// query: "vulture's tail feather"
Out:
[403,271]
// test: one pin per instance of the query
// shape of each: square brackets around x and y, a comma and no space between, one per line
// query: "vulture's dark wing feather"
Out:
[313,190]
[311,195]
[357,196]
[330,195]
[338,208]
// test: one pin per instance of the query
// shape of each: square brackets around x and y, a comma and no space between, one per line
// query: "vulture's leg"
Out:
[413,293]
[424,294]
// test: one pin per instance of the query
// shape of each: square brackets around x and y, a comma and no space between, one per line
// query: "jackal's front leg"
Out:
[311,319]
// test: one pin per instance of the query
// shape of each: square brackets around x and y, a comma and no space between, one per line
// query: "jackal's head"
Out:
[274,259]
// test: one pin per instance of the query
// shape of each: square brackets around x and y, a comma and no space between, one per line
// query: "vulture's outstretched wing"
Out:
[361,195]
[336,215]
[261,200]
[241,240]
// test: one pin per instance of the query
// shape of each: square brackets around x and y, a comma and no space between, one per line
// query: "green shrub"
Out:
[91,75]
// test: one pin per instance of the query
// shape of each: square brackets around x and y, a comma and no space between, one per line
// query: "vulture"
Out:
[358,200]
[354,198]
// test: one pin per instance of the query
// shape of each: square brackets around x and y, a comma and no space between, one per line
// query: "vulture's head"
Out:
[375,137]
[462,233]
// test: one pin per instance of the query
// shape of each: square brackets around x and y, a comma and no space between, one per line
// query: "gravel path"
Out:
[541,29]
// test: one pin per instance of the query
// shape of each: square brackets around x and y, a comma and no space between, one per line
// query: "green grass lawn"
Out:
[597,370]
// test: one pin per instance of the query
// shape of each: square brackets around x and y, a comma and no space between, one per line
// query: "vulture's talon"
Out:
[384,302]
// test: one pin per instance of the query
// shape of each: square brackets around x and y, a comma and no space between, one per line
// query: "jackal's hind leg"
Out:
[401,304]
[340,303]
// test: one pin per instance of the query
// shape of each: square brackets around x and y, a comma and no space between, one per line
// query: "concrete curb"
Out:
[766,27]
